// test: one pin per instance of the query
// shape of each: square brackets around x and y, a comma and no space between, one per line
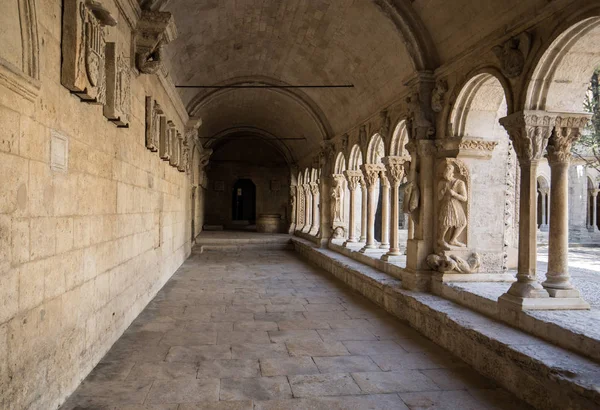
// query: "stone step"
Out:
[542,374]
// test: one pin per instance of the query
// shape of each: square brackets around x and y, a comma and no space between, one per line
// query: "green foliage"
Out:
[588,147]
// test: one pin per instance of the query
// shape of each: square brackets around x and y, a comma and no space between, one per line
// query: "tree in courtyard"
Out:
[588,148]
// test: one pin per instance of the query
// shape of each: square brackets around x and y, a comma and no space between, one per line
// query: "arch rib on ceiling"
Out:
[203,98]
[416,36]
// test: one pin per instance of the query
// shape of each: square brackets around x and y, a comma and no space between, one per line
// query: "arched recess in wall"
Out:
[356,159]
[561,75]
[375,150]
[484,147]
[19,70]
[399,140]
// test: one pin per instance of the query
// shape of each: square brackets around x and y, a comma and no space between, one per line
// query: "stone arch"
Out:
[356,158]
[314,175]
[483,99]
[542,182]
[399,140]
[375,150]
[340,164]
[560,75]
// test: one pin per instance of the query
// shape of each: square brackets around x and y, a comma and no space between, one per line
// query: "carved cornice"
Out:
[567,130]
[529,132]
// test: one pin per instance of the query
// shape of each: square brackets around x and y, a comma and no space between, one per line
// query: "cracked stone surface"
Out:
[213,339]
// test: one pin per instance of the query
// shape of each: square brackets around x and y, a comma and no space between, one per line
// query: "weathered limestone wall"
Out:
[82,251]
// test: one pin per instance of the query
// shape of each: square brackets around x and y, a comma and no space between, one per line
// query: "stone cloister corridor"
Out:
[299,204]
[262,329]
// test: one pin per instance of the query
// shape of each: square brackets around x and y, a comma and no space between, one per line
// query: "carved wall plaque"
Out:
[173,161]
[154,114]
[83,49]
[118,93]
[164,149]
[180,149]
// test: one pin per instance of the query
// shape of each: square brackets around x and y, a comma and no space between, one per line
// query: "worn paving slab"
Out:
[264,330]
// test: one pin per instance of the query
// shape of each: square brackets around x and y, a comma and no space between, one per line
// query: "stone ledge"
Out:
[308,237]
[574,330]
[544,375]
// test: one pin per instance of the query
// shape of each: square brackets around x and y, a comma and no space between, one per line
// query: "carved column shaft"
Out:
[314,189]
[307,208]
[353,178]
[529,133]
[395,172]
[567,130]
[363,210]
[594,218]
[385,212]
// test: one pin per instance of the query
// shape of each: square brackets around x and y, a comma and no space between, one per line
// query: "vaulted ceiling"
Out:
[289,42]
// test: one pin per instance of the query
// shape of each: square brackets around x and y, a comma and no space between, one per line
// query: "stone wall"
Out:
[82,249]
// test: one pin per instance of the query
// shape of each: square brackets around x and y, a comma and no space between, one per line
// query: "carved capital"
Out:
[371,174]
[529,132]
[354,179]
[567,130]
[154,30]
[314,188]
[594,192]
[338,179]
[395,167]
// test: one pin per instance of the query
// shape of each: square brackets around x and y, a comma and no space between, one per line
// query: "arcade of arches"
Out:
[160,160]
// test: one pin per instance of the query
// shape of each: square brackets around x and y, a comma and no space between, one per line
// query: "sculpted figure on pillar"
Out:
[337,194]
[453,198]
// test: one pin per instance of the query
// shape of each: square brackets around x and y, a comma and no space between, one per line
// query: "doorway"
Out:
[243,199]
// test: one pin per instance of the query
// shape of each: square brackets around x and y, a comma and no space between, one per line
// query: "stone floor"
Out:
[265,330]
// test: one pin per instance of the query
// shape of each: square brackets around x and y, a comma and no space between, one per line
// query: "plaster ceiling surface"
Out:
[293,42]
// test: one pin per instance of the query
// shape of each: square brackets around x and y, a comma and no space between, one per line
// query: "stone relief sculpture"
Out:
[437,95]
[83,49]
[154,30]
[444,263]
[453,197]
[512,55]
[337,193]
[118,93]
[339,233]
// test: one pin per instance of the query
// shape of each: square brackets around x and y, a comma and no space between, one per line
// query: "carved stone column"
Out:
[293,202]
[558,284]
[314,189]
[594,218]
[353,178]
[363,209]
[300,208]
[385,212]
[371,176]
[529,132]
[544,197]
[307,208]
[395,172]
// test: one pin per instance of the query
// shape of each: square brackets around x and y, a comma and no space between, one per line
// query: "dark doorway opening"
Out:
[244,201]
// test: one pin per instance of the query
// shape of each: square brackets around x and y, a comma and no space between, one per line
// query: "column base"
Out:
[544,228]
[367,249]
[393,257]
[313,232]
[385,246]
[511,302]
[563,293]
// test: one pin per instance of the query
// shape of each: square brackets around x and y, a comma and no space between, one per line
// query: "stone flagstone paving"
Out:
[264,330]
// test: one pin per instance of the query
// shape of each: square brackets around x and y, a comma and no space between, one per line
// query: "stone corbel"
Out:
[154,30]
[466,147]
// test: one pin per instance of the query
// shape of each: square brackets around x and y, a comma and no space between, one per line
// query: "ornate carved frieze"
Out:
[529,132]
[154,30]
[465,147]
[513,54]
[118,88]
[567,129]
[83,68]
[154,116]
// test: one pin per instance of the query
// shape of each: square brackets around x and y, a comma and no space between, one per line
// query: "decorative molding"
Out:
[29,38]
[20,83]
[463,147]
